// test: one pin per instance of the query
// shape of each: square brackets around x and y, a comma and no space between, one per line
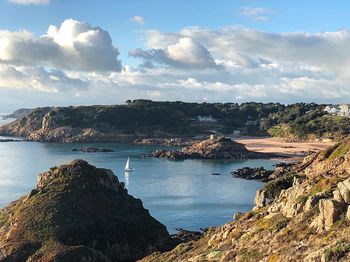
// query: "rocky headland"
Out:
[78,212]
[215,148]
[301,214]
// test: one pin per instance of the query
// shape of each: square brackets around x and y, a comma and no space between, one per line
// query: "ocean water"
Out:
[180,194]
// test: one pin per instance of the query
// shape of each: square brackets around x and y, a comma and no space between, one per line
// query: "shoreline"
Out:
[292,151]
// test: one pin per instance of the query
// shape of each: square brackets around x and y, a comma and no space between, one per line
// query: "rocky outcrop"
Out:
[79,212]
[303,214]
[260,199]
[259,173]
[217,148]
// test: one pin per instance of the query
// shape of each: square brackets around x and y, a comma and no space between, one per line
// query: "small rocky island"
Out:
[213,148]
[92,150]
[78,212]
[258,173]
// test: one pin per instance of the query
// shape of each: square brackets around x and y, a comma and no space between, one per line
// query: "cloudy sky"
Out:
[61,52]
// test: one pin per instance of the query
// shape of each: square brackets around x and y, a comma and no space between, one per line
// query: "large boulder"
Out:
[79,212]
[344,190]
[330,212]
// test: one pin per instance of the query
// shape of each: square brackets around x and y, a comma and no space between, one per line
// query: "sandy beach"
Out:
[295,150]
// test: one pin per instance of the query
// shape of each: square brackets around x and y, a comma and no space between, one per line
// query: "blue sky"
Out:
[166,20]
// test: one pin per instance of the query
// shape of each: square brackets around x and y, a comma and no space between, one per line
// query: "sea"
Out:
[180,194]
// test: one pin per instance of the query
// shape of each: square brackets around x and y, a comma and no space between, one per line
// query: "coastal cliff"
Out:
[301,215]
[78,212]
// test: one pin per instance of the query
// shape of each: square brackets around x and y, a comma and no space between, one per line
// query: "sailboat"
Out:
[127,166]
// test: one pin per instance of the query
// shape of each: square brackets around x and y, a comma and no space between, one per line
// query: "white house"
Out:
[344,110]
[340,110]
[206,119]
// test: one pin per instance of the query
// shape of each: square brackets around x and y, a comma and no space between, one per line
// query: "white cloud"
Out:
[254,66]
[185,53]
[39,79]
[255,13]
[74,45]
[30,2]
[138,20]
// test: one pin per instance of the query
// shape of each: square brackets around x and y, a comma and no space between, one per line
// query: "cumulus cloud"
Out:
[30,2]
[138,20]
[185,53]
[39,79]
[74,46]
[250,48]
[254,66]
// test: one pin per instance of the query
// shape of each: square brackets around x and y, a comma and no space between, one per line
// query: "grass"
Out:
[340,150]
[336,252]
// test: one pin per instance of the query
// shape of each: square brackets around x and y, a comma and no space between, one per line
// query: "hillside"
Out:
[303,215]
[146,119]
[78,212]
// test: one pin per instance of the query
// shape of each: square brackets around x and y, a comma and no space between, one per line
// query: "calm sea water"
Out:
[180,194]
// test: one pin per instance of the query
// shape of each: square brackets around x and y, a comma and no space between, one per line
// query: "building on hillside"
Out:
[206,119]
[340,110]
[344,110]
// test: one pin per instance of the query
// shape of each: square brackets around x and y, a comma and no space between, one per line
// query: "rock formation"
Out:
[217,148]
[259,173]
[78,213]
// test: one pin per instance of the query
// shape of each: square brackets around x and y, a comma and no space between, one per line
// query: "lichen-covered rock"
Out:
[79,213]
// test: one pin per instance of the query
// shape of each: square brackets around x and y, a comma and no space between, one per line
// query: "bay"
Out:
[180,194]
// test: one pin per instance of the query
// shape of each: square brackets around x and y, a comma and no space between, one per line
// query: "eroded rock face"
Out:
[79,212]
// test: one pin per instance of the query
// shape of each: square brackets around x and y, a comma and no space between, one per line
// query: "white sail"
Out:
[127,166]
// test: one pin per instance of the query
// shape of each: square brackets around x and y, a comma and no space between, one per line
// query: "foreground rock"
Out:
[303,214]
[252,173]
[219,148]
[78,213]
[92,150]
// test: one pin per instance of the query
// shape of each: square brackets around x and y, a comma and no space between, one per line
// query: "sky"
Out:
[83,52]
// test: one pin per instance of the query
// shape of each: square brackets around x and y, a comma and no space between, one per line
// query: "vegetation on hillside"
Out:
[150,118]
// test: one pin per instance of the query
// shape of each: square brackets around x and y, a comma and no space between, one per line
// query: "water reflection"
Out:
[126,177]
